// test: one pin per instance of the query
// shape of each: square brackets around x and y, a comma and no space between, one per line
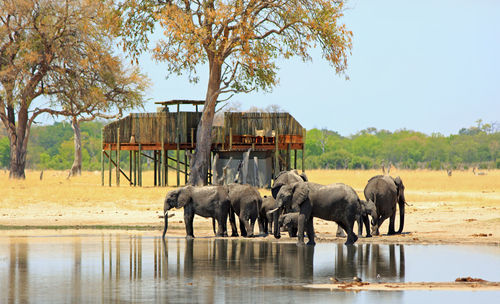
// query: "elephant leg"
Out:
[220,227]
[360,225]
[391,224]
[250,228]
[310,231]
[262,230]
[300,228]
[340,232]
[242,227]
[188,221]
[232,220]
[351,237]
[366,221]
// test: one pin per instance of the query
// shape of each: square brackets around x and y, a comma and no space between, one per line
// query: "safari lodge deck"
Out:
[166,139]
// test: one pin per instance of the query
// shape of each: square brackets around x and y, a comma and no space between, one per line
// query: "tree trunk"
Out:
[76,168]
[18,137]
[200,164]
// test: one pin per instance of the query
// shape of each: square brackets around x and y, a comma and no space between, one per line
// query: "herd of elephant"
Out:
[294,203]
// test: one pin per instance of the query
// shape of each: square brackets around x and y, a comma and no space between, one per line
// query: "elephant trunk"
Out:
[401,215]
[166,224]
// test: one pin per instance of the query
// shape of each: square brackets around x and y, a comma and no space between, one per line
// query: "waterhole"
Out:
[135,268]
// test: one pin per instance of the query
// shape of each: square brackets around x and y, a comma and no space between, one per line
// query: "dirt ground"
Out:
[462,209]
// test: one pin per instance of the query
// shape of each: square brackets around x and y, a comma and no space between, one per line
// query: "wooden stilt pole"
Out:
[185,167]
[165,159]
[163,164]
[295,159]
[134,153]
[118,157]
[102,159]
[155,168]
[110,164]
[139,165]
[177,159]
[288,158]
[276,155]
[130,166]
[303,150]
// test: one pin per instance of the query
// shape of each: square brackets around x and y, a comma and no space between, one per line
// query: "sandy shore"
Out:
[436,213]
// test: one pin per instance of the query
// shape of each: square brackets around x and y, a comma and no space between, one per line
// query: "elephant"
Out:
[287,178]
[335,202]
[386,191]
[289,221]
[206,201]
[367,208]
[267,219]
[246,202]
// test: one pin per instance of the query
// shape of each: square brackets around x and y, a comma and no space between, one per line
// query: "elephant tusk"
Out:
[272,211]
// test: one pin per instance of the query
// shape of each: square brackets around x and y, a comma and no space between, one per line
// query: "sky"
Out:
[428,66]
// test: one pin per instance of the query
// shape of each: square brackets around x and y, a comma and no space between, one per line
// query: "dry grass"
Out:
[424,185]
[457,209]
[421,186]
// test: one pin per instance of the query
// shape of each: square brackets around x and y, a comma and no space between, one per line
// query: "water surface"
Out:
[123,268]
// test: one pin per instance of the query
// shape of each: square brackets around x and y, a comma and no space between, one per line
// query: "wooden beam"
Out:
[121,171]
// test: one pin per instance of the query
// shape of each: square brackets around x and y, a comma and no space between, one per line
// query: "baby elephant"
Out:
[267,218]
[289,221]
[206,201]
[367,208]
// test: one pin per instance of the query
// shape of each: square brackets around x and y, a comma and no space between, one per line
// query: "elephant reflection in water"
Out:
[240,258]
[370,262]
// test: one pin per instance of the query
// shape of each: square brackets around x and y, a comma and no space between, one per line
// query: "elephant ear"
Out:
[184,196]
[304,177]
[300,194]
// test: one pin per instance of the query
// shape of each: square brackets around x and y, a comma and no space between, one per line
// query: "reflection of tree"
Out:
[18,271]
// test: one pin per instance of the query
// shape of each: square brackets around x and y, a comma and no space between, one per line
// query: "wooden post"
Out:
[102,158]
[139,167]
[223,138]
[288,158]
[130,166]
[165,160]
[303,150]
[162,156]
[118,147]
[134,153]
[295,158]
[230,138]
[155,168]
[276,155]
[192,137]
[177,158]
[110,164]
[185,167]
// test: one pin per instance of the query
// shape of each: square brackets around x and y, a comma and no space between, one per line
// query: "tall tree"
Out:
[96,86]
[240,40]
[37,40]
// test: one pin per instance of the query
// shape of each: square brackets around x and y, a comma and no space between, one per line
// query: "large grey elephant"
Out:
[335,202]
[206,201]
[267,219]
[246,202]
[288,178]
[386,191]
[368,208]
